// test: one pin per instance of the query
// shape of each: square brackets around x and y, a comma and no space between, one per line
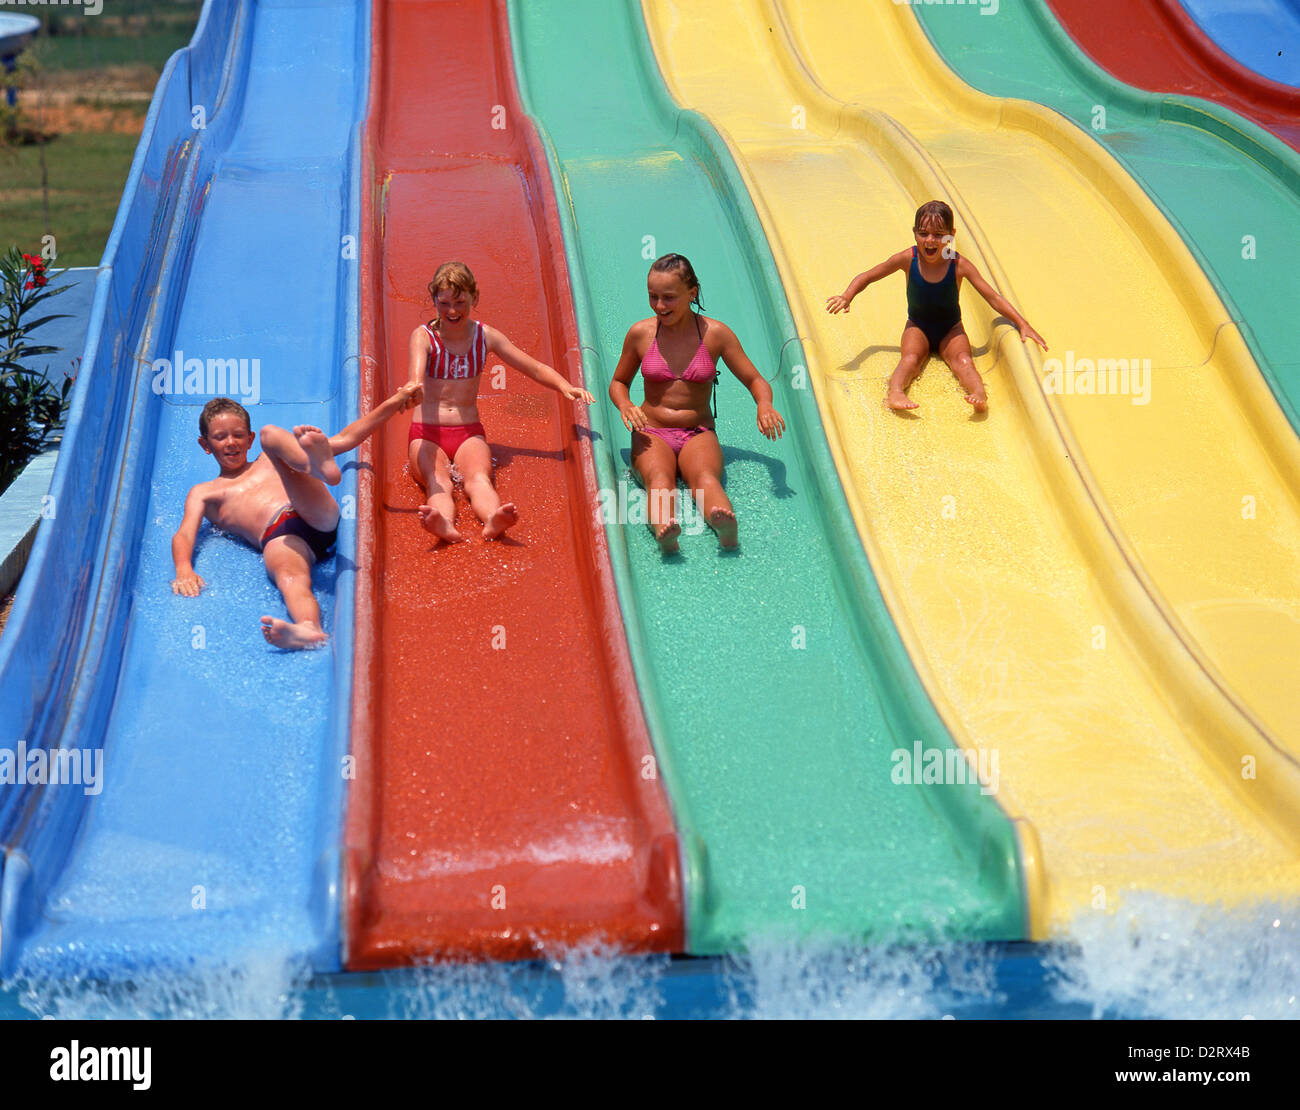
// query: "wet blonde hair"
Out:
[452,275]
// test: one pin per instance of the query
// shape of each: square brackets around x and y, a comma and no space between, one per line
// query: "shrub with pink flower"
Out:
[31,406]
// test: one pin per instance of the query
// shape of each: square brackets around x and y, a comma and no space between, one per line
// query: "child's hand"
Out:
[1027,333]
[573,393]
[770,422]
[838,303]
[187,584]
[633,418]
[412,393]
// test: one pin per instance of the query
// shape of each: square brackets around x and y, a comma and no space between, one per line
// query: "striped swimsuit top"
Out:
[444,364]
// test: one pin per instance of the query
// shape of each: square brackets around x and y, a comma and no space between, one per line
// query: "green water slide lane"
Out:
[775,686]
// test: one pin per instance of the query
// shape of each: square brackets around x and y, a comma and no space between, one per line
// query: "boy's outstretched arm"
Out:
[186,582]
[361,428]
[519,360]
[892,264]
[999,303]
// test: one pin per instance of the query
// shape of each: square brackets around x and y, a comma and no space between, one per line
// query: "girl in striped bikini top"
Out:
[444,365]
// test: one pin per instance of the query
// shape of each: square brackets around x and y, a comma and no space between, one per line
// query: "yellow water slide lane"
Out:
[1099,590]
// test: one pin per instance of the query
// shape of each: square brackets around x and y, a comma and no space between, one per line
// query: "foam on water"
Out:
[835,981]
[586,982]
[266,986]
[1153,957]
[1157,957]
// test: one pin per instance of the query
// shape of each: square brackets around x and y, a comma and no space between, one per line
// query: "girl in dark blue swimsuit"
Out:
[934,275]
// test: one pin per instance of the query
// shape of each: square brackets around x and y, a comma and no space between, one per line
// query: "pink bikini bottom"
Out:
[676,438]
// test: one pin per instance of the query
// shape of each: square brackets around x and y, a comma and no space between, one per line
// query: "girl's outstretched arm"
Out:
[999,303]
[519,360]
[892,264]
[770,422]
[620,384]
[419,350]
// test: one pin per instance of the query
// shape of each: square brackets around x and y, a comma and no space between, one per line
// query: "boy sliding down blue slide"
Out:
[278,502]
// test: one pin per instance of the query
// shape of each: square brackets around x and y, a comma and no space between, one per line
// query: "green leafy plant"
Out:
[32,407]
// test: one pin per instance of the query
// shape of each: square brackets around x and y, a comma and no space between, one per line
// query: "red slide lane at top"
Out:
[1157,46]
[505,799]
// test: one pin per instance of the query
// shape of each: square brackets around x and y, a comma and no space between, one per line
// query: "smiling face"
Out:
[670,297]
[932,235]
[229,439]
[453,306]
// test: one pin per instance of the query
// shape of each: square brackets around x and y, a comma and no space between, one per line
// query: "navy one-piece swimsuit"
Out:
[932,305]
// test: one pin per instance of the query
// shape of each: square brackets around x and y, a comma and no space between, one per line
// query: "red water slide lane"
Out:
[505,798]
[1157,46]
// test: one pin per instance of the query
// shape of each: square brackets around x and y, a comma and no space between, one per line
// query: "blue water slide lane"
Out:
[212,832]
[1263,35]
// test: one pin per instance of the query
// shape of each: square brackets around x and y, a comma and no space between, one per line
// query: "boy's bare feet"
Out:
[292,637]
[723,522]
[897,400]
[432,520]
[666,537]
[978,400]
[317,445]
[506,516]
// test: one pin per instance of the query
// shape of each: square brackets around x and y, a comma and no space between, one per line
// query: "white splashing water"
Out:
[1158,957]
[595,982]
[599,983]
[1152,958]
[786,982]
[266,986]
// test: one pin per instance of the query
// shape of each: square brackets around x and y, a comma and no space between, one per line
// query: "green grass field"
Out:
[81,55]
[78,52]
[87,172]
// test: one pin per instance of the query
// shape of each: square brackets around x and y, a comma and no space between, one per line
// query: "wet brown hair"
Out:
[934,210]
[216,407]
[680,265]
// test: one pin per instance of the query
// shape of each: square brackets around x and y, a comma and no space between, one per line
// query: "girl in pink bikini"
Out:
[672,429]
[448,355]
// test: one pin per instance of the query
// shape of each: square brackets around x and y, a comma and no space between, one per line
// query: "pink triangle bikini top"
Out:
[702,367]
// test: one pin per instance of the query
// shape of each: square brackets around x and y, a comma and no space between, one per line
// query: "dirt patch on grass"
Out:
[72,116]
[6,603]
[106,79]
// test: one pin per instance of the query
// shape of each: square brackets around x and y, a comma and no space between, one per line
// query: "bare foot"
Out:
[317,445]
[292,637]
[666,536]
[506,516]
[978,400]
[723,521]
[898,401]
[433,521]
